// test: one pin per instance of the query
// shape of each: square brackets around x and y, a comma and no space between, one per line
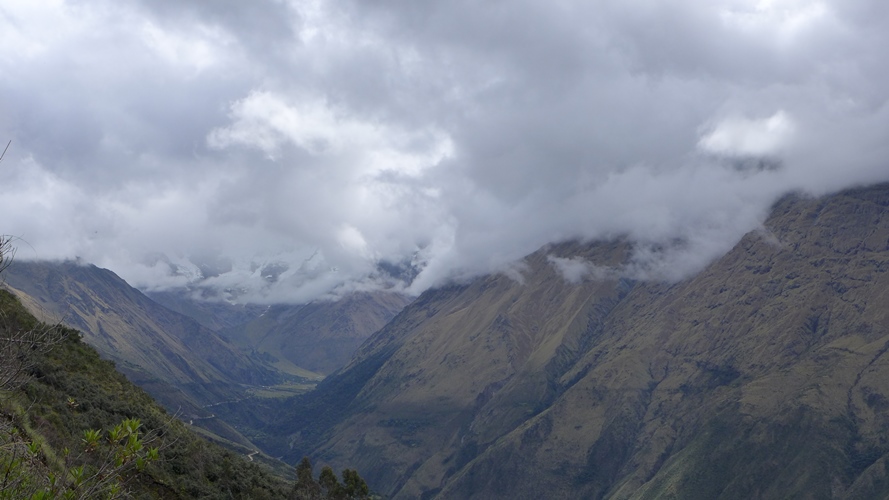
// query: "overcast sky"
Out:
[290,147]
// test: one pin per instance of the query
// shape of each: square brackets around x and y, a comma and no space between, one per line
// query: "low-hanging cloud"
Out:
[739,136]
[290,150]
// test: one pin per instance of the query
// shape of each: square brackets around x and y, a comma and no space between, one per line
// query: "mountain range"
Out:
[764,375]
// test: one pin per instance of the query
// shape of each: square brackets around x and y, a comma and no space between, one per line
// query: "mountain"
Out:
[765,375]
[180,362]
[213,314]
[320,336]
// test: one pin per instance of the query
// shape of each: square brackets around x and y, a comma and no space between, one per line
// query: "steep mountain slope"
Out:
[319,336]
[763,376]
[178,361]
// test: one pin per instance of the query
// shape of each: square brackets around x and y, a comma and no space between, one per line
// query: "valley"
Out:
[185,362]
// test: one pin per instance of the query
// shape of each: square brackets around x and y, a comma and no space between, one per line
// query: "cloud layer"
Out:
[285,150]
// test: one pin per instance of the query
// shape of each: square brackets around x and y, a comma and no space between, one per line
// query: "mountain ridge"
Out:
[612,388]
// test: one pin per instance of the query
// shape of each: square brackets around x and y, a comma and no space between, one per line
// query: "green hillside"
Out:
[65,389]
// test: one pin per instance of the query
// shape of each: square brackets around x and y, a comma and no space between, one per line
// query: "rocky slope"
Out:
[763,376]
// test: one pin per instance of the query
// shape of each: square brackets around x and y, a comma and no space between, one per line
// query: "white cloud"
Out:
[352,240]
[785,21]
[195,51]
[268,122]
[575,269]
[739,136]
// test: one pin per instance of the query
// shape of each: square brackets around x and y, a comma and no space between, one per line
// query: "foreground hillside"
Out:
[58,388]
[763,376]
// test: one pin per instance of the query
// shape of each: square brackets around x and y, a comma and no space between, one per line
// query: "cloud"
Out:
[282,150]
[268,123]
[575,269]
[739,136]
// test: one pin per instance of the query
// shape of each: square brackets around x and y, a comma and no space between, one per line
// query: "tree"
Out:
[306,488]
[331,485]
[353,485]
[327,486]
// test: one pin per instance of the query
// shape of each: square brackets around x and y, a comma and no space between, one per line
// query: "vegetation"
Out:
[327,486]
[73,427]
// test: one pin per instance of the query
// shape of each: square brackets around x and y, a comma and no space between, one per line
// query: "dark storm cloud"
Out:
[304,143]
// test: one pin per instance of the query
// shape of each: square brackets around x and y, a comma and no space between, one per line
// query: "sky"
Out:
[286,150]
